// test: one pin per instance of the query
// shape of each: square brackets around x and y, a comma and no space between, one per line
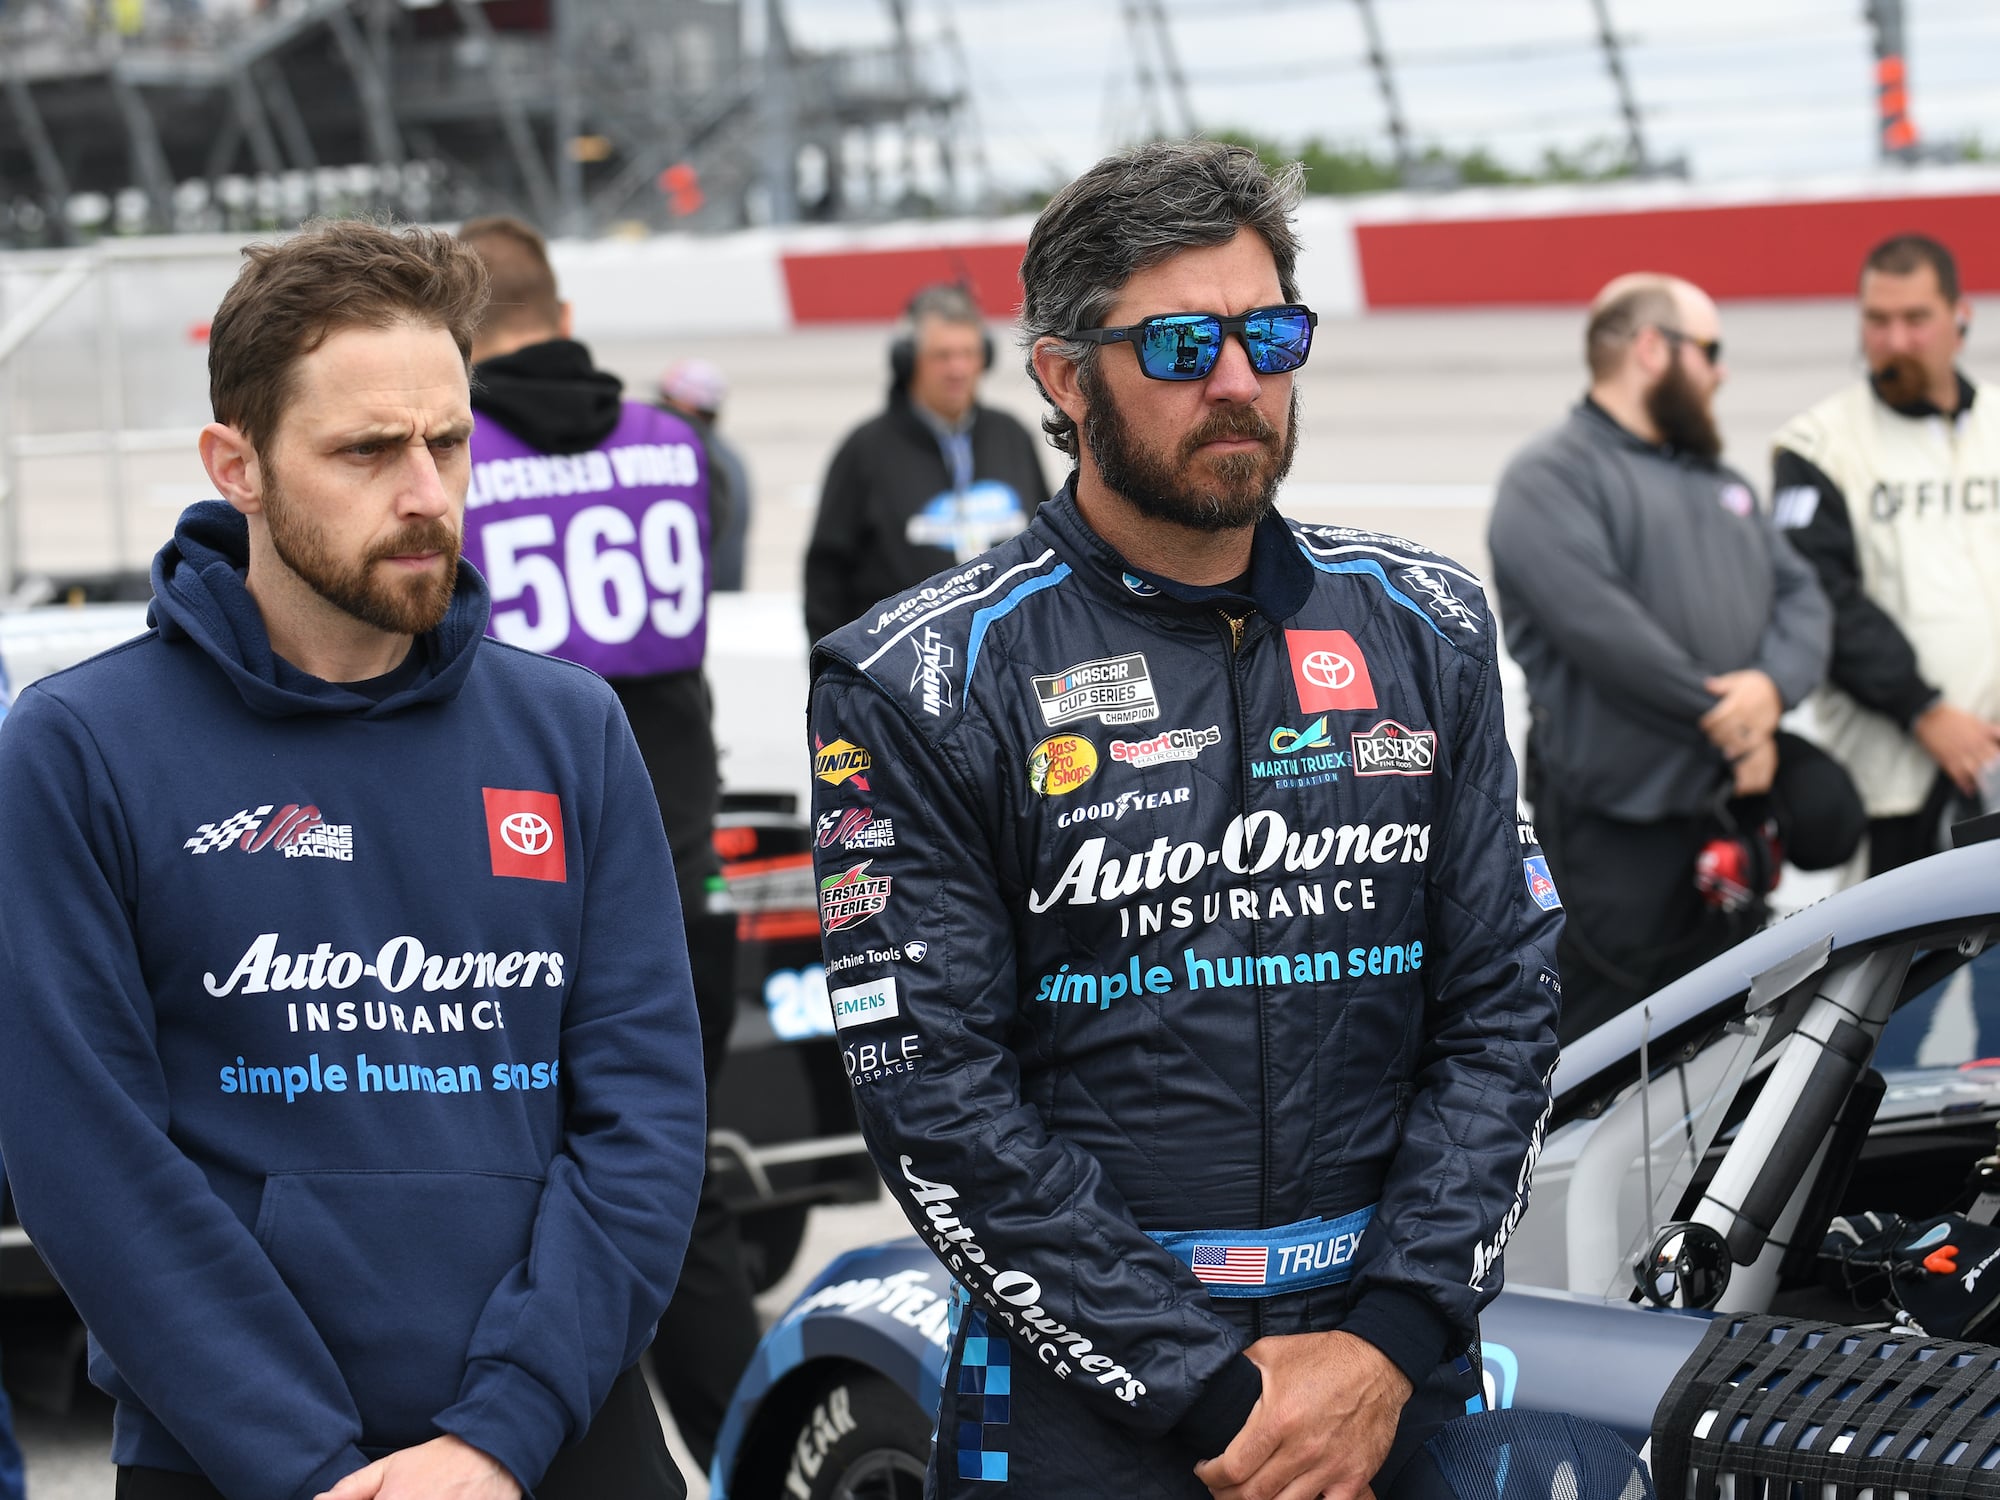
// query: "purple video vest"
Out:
[600,558]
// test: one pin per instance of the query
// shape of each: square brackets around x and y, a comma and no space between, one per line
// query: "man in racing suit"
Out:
[1192,971]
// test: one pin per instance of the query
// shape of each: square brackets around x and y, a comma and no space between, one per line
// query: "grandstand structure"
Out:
[582,115]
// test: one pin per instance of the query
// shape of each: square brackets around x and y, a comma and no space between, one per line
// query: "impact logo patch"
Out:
[297,831]
[1541,884]
[1112,690]
[1060,764]
[1439,599]
[933,657]
[524,834]
[1393,749]
[1329,671]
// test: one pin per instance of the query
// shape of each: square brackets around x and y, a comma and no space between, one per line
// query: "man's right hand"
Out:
[445,1468]
[1961,743]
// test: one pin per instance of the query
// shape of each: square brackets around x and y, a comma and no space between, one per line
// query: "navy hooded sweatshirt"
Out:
[349,1074]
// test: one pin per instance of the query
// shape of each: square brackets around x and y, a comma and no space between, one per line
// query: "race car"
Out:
[1702,1149]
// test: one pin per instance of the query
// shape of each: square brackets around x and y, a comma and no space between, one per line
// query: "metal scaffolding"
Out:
[582,115]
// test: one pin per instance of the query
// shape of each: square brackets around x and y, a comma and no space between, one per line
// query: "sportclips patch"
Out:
[1114,690]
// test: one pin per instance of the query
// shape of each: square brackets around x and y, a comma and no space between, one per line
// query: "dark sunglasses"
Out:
[1185,346]
[1711,349]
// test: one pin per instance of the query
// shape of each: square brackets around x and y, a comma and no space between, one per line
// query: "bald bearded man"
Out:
[1664,626]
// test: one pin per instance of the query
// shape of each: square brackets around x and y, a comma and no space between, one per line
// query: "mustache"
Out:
[435,535]
[1227,423]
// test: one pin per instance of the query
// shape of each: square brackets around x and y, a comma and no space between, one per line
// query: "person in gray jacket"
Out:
[1664,627]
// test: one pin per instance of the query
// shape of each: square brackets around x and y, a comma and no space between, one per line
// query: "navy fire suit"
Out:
[1194,975]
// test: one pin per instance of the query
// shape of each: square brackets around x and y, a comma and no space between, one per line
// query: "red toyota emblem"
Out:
[524,834]
[1329,671]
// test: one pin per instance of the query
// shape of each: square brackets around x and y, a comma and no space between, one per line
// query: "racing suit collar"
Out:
[1278,584]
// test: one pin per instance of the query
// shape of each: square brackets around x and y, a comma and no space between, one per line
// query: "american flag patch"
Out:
[1241,1265]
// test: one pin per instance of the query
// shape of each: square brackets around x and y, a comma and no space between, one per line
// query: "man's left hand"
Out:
[1755,769]
[1322,1427]
[1749,711]
[446,1468]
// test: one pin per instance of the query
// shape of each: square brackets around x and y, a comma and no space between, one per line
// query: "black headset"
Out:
[903,348]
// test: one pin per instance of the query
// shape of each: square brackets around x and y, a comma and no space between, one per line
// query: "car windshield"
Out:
[1601,1192]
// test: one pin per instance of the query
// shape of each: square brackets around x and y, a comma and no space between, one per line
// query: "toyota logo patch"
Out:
[526,833]
[1329,671]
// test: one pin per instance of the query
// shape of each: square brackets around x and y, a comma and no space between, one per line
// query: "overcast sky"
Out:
[1741,88]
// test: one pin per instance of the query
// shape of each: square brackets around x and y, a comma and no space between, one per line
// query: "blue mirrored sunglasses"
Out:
[1185,346]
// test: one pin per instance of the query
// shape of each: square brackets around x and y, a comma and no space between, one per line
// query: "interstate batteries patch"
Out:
[1112,690]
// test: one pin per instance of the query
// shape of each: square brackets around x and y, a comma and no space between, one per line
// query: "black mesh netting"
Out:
[1537,1455]
[1790,1409]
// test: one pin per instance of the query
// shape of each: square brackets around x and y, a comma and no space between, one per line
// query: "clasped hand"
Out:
[1743,725]
[446,1468]
[1322,1427]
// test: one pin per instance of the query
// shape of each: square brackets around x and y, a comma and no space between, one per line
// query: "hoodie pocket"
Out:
[394,1269]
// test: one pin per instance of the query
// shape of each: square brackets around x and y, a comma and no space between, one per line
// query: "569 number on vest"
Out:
[605,591]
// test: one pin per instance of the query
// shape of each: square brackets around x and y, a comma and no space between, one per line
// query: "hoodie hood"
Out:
[199,596]
[550,396]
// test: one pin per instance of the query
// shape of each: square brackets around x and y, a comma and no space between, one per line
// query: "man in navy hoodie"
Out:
[349,1072]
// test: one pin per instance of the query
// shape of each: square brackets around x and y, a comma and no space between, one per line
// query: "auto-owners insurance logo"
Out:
[1112,690]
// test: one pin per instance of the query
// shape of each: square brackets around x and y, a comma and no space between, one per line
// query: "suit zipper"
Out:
[1235,629]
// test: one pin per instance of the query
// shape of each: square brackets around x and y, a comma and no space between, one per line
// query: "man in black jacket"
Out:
[565,469]
[1194,979]
[933,481]
[1664,627]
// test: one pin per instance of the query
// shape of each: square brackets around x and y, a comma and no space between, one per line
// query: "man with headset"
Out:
[933,481]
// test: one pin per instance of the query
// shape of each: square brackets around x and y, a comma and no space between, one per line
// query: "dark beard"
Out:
[1239,489]
[1900,381]
[410,606]
[1681,417]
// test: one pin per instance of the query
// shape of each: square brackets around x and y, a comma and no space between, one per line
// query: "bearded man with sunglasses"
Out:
[1664,627]
[1192,976]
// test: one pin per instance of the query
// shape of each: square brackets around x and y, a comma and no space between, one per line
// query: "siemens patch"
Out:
[860,1004]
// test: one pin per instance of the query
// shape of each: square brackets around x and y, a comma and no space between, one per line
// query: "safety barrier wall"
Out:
[1493,247]
[1489,247]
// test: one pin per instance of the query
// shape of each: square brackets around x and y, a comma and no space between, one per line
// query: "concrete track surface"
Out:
[1407,420]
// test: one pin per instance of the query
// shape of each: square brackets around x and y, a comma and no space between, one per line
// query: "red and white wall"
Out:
[1483,248]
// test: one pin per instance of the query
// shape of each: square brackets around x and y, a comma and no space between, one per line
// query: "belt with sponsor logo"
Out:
[1269,1262]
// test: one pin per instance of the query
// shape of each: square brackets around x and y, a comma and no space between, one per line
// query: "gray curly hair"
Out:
[1130,212]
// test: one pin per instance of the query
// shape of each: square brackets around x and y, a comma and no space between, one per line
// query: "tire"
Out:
[862,1439]
[771,1240]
